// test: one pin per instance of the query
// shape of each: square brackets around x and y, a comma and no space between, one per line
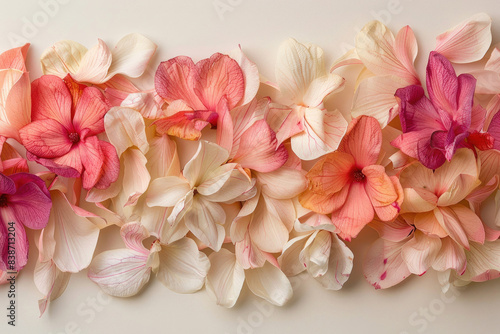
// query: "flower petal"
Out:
[384,266]
[51,100]
[50,281]
[120,272]
[94,64]
[183,267]
[468,41]
[269,283]
[225,278]
[62,58]
[420,252]
[131,56]
[363,141]
[340,265]
[323,131]
[46,138]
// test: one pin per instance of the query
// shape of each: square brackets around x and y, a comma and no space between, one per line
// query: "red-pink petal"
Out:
[15,58]
[46,138]
[92,159]
[90,111]
[110,166]
[363,141]
[51,100]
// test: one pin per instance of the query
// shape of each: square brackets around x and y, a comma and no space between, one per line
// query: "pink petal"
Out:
[382,192]
[363,141]
[383,266]
[17,102]
[90,111]
[396,230]
[20,243]
[420,251]
[461,224]
[224,125]
[356,212]
[110,166]
[219,76]
[451,256]
[468,41]
[258,149]
[175,79]
[31,206]
[15,58]
[46,138]
[51,100]
[92,159]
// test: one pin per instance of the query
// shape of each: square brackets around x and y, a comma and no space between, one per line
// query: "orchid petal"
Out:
[269,283]
[183,267]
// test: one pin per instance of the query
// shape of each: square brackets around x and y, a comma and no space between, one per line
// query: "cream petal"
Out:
[183,267]
[340,265]
[120,272]
[323,131]
[375,97]
[167,191]
[94,64]
[75,236]
[62,58]
[466,42]
[321,87]
[200,166]
[316,253]
[297,67]
[270,284]
[250,74]
[50,281]
[450,256]
[289,260]
[125,128]
[420,252]
[131,56]
[162,157]
[283,183]
[225,278]
[205,220]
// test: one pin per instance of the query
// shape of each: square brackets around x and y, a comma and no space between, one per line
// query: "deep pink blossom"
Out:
[66,119]
[24,202]
[434,127]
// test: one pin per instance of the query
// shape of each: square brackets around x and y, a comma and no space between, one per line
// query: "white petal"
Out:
[120,272]
[339,265]
[289,260]
[207,158]
[133,234]
[323,131]
[316,253]
[125,128]
[94,65]
[131,56]
[283,183]
[225,188]
[321,87]
[225,278]
[135,175]
[205,220]
[75,236]
[269,283]
[50,281]
[297,67]
[466,42]
[167,191]
[183,267]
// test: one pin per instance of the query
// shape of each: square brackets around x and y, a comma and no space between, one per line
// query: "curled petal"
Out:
[225,278]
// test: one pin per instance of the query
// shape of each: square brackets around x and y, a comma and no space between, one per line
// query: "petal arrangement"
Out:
[279,181]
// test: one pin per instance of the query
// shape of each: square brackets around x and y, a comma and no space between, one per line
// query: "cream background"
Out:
[194,28]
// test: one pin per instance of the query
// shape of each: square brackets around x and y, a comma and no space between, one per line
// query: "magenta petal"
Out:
[494,130]
[31,206]
[23,178]
[442,83]
[429,157]
[7,186]
[20,244]
[416,111]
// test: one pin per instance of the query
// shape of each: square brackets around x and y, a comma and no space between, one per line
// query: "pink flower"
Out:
[434,127]
[24,201]
[67,117]
[350,184]
[201,94]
